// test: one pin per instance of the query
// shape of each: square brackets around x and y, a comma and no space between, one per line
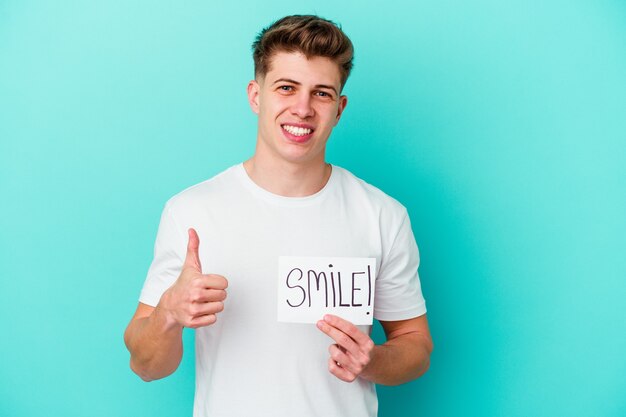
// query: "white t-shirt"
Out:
[248,364]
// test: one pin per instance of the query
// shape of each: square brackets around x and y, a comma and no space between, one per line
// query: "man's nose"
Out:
[302,106]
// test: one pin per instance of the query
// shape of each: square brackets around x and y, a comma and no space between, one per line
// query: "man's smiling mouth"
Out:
[297,131]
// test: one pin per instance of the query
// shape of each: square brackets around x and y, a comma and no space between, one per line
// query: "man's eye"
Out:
[323,94]
[285,88]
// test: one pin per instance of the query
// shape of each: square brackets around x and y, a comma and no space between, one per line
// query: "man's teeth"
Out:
[298,131]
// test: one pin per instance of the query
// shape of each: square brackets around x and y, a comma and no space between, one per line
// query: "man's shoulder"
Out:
[359,188]
[207,190]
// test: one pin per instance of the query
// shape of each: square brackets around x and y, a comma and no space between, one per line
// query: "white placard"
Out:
[309,287]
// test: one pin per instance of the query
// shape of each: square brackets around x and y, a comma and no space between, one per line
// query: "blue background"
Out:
[501,125]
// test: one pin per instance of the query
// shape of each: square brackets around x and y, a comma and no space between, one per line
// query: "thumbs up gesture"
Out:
[195,298]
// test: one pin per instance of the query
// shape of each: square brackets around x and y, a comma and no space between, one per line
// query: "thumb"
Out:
[192,260]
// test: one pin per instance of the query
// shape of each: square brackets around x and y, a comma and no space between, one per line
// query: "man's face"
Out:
[298,104]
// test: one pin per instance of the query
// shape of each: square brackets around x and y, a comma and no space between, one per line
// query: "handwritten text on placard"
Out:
[309,287]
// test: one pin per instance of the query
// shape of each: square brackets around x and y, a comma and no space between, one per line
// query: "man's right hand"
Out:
[195,298]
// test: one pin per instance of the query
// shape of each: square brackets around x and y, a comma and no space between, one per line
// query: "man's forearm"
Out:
[399,360]
[155,346]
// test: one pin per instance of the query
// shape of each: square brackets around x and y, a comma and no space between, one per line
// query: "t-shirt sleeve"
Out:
[398,293]
[167,262]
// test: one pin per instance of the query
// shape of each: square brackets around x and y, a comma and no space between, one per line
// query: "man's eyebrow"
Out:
[330,87]
[288,80]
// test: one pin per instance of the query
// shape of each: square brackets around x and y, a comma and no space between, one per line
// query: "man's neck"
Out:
[288,179]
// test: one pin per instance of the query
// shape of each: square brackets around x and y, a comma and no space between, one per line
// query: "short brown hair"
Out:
[307,34]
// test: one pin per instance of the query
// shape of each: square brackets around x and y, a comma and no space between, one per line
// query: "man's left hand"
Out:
[352,353]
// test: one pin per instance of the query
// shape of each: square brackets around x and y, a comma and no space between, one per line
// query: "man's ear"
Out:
[343,102]
[253,95]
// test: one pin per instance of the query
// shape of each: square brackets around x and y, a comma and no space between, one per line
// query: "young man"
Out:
[284,201]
